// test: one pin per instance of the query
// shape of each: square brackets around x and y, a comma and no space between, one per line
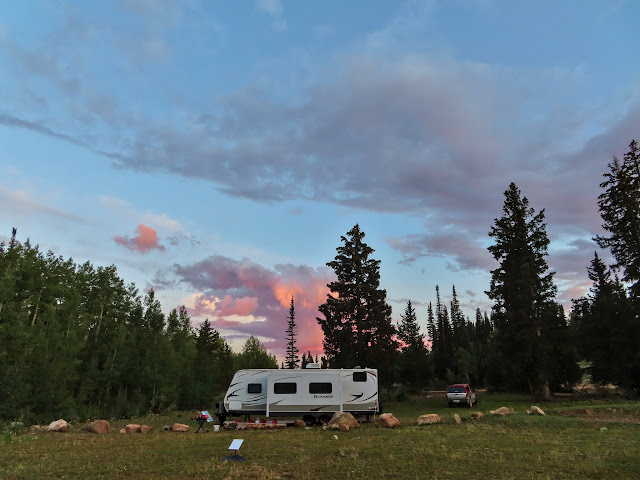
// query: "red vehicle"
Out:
[461,394]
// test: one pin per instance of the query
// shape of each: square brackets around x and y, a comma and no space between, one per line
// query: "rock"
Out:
[387,420]
[123,430]
[132,428]
[476,416]
[536,410]
[502,411]
[145,429]
[38,429]
[457,418]
[428,419]
[98,426]
[180,427]
[59,426]
[342,418]
[299,423]
[335,437]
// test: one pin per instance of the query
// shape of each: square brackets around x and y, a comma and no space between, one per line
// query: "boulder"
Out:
[342,418]
[457,418]
[476,416]
[145,429]
[299,423]
[536,410]
[59,426]
[428,419]
[180,427]
[132,428]
[502,411]
[98,426]
[38,429]
[387,420]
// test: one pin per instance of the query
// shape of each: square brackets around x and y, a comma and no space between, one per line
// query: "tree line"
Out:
[527,343]
[76,341]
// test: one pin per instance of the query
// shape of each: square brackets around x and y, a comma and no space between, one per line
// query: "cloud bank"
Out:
[241,298]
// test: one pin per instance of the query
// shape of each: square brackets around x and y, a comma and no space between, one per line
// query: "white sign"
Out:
[235,445]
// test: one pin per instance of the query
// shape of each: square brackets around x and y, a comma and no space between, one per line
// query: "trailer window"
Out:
[359,376]
[286,388]
[320,388]
[254,388]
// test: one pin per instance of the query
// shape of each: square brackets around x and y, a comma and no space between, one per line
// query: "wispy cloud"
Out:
[274,9]
[22,202]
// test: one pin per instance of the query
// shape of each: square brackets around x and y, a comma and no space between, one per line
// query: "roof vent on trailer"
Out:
[312,365]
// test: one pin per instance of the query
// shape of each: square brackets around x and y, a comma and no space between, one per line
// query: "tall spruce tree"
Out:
[415,368]
[292,351]
[620,210]
[523,290]
[356,318]
[443,340]
[431,329]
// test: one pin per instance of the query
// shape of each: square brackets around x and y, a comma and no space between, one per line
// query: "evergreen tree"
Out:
[409,330]
[607,329]
[443,343]
[206,372]
[356,319]
[431,329]
[482,333]
[460,334]
[292,351]
[620,210]
[522,289]
[414,363]
[560,354]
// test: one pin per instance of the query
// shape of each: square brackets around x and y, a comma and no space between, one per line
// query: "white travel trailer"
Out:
[314,394]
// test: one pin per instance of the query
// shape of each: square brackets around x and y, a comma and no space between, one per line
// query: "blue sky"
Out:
[217,151]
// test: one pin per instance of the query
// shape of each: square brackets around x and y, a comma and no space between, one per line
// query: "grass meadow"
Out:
[588,438]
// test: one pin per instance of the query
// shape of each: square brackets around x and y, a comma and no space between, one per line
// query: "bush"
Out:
[10,430]
[395,393]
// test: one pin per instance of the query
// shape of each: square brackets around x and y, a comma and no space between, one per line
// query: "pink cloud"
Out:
[144,242]
[242,298]
[224,307]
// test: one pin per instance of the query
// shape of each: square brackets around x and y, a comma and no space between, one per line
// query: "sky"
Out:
[217,151]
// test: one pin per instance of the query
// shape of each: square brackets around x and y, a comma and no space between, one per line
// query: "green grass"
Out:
[566,443]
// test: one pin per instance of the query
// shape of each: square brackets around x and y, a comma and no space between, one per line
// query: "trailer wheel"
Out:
[309,420]
[324,419]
